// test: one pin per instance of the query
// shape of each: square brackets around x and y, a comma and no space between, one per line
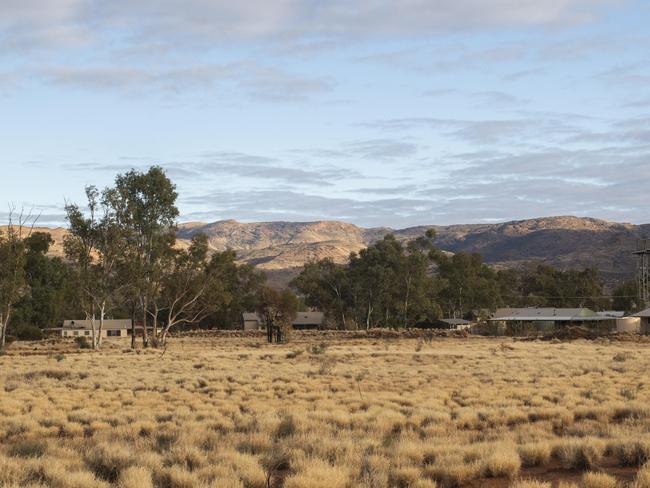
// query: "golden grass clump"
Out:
[530,484]
[642,479]
[135,477]
[599,480]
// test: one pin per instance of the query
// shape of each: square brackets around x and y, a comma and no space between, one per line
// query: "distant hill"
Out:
[281,248]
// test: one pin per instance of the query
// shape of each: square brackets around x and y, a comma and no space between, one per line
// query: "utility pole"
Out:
[643,271]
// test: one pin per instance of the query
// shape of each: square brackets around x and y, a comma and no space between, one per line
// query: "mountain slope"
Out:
[560,241]
[281,248]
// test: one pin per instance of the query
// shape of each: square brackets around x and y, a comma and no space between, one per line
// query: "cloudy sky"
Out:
[377,112]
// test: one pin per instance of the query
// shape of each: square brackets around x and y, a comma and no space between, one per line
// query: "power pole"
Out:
[643,271]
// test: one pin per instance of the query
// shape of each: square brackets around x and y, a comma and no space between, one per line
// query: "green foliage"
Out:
[28,333]
[387,284]
[466,284]
[235,289]
[390,284]
[545,286]
[626,296]
[277,309]
[49,286]
[12,274]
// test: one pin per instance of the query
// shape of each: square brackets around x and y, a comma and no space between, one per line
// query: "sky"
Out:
[376,112]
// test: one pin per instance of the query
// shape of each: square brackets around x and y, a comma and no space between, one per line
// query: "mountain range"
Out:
[281,248]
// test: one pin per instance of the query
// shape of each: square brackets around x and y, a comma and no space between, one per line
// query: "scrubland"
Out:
[237,412]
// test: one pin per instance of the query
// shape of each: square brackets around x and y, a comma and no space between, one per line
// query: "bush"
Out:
[28,333]
[578,454]
[82,342]
[286,427]
[28,449]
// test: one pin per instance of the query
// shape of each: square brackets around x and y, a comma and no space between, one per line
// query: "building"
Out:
[303,320]
[83,328]
[628,324]
[548,318]
[448,324]
[644,317]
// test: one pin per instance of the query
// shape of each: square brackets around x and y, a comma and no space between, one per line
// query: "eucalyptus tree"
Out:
[278,310]
[95,245]
[187,291]
[12,267]
[48,280]
[145,209]
[326,287]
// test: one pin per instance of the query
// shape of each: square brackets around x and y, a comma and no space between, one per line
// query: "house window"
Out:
[113,333]
[87,333]
[75,333]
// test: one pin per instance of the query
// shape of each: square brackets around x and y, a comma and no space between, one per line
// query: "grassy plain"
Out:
[330,413]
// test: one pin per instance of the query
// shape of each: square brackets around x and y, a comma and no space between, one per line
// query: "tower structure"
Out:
[643,271]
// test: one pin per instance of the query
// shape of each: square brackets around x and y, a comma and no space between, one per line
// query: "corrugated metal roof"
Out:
[108,324]
[612,313]
[307,318]
[302,318]
[642,313]
[547,314]
[455,321]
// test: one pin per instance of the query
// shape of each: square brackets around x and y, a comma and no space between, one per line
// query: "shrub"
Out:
[318,348]
[631,452]
[578,454]
[28,449]
[286,427]
[503,462]
[28,333]
[537,454]
[109,460]
[82,342]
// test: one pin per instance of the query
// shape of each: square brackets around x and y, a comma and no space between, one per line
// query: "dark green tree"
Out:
[49,287]
[326,287]
[626,296]
[145,209]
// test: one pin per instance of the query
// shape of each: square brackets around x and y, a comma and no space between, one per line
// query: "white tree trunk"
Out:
[3,331]
[93,332]
[102,313]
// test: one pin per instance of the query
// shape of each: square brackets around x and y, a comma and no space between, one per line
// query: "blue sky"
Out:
[375,112]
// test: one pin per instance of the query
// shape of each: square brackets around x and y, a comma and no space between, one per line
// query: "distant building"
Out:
[644,316]
[548,318]
[617,314]
[303,320]
[448,324]
[83,328]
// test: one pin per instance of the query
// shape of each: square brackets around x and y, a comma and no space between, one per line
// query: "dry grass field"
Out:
[340,414]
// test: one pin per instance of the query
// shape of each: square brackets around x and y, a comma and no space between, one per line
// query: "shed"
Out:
[541,318]
[303,320]
[644,316]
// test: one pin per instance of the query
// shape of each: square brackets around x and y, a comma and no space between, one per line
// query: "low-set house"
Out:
[303,320]
[548,318]
[83,328]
